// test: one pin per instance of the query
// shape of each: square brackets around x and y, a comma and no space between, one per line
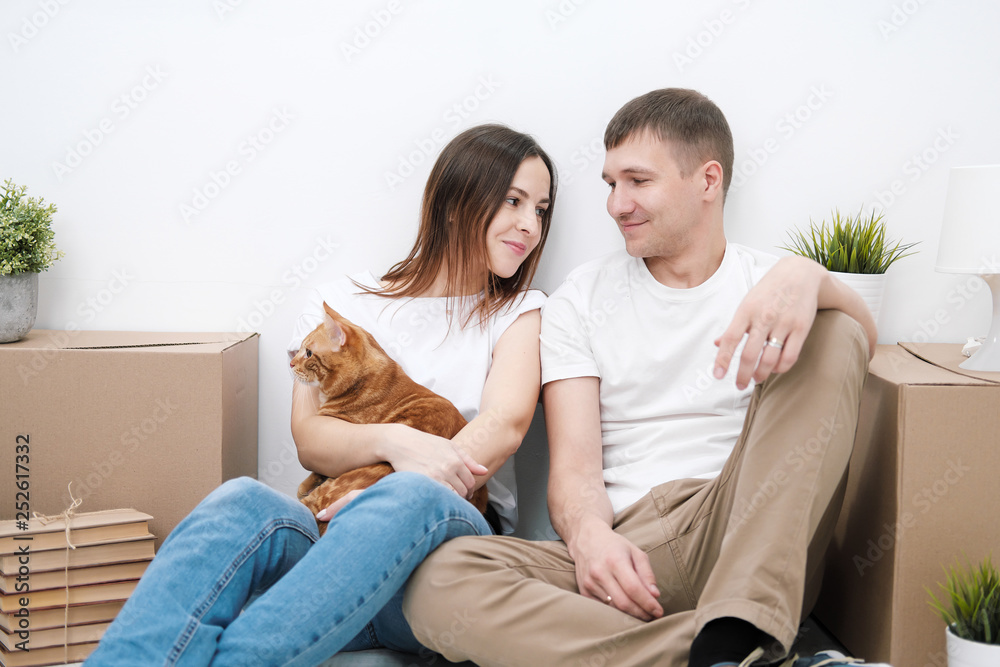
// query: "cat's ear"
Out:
[334,329]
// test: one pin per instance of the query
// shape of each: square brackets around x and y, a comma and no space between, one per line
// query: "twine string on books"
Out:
[67,516]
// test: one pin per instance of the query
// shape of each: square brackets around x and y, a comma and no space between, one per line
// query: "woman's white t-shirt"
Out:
[453,362]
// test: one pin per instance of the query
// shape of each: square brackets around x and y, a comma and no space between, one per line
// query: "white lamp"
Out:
[970,243]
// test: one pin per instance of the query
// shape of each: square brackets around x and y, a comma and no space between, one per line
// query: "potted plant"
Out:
[26,248]
[971,612]
[853,247]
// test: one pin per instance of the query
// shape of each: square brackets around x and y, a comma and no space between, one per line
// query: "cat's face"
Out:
[325,353]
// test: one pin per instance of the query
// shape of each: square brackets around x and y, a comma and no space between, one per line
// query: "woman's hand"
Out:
[440,459]
[328,513]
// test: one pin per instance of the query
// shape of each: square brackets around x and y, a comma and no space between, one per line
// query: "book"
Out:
[60,597]
[75,576]
[55,655]
[122,551]
[56,618]
[75,634]
[86,528]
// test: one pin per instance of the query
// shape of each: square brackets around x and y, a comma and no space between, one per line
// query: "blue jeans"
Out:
[245,580]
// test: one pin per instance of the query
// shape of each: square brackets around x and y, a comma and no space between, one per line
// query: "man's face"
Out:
[655,207]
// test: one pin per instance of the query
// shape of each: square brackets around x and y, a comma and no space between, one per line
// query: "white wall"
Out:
[124,113]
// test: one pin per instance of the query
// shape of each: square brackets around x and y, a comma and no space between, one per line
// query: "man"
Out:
[694,507]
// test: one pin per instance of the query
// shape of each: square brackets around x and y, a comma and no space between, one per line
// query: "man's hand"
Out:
[777,315]
[609,566]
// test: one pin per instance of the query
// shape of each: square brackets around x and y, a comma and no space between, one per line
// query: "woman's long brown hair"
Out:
[466,188]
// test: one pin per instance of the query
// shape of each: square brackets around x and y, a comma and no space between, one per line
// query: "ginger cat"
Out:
[362,384]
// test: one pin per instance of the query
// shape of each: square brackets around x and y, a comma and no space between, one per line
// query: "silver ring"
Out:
[608,601]
[774,342]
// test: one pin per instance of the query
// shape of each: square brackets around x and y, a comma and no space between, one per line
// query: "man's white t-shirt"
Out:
[663,414]
[414,332]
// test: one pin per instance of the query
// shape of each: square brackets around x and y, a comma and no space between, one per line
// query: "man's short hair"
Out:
[690,121]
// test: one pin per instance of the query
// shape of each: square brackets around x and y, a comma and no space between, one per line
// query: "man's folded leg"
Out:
[504,601]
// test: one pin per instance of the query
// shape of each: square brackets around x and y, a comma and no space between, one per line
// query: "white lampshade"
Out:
[970,243]
[970,234]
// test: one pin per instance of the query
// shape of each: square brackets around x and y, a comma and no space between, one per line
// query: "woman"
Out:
[457,315]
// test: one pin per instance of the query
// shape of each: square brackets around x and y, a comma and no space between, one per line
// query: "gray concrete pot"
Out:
[18,305]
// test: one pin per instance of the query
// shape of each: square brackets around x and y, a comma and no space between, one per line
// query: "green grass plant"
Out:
[849,244]
[971,604]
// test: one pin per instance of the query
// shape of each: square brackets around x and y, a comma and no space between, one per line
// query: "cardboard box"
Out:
[922,491]
[151,421]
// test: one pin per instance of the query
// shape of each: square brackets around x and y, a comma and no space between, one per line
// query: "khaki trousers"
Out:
[747,544]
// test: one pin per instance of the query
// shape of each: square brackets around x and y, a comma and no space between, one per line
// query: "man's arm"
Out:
[782,307]
[607,564]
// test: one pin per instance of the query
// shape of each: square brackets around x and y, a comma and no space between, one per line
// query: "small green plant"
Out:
[971,605]
[26,244]
[849,244]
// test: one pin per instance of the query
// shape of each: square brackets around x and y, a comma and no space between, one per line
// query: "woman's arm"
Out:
[331,446]
[509,397]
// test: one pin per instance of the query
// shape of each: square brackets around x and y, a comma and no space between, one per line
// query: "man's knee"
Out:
[834,326]
[835,340]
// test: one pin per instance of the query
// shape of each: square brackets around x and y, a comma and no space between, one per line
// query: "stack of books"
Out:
[56,602]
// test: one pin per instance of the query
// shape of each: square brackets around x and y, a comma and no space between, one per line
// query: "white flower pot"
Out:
[18,305]
[869,285]
[965,653]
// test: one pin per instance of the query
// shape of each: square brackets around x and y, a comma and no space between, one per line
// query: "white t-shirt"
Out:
[414,332]
[663,414]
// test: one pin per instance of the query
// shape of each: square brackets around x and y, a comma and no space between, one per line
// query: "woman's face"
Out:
[516,228]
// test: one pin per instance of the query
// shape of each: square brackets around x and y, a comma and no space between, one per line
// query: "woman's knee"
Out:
[236,490]
[417,498]
[245,494]
[415,490]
